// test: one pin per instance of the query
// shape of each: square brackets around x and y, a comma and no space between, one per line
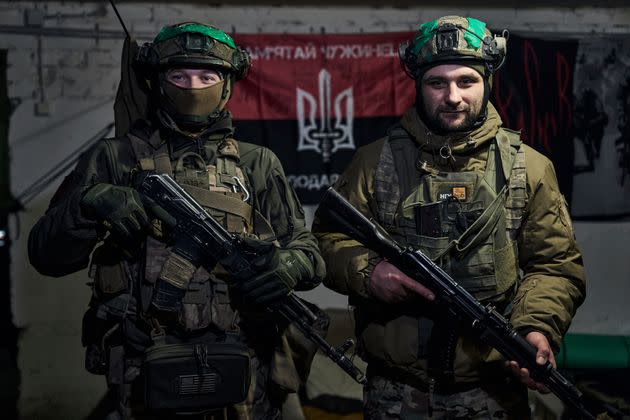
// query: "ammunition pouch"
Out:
[195,375]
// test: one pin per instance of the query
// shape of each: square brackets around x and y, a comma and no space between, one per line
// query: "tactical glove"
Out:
[279,271]
[119,208]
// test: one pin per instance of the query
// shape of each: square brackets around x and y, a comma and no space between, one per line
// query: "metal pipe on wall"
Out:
[9,387]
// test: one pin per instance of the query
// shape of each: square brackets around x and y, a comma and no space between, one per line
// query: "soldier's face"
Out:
[193,78]
[452,96]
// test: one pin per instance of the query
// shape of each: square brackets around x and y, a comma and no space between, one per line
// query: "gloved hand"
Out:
[279,271]
[119,208]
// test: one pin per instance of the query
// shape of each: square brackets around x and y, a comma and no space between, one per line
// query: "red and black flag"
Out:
[314,99]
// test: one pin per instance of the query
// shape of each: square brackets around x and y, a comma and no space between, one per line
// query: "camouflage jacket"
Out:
[63,239]
[552,285]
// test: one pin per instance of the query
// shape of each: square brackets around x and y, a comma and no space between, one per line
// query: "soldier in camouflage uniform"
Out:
[139,285]
[450,181]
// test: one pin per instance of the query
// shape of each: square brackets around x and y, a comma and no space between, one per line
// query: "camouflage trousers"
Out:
[385,399]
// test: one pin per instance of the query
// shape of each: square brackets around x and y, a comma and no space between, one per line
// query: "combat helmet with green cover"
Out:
[453,39]
[192,45]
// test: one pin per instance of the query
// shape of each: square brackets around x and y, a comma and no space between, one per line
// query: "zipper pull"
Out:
[201,354]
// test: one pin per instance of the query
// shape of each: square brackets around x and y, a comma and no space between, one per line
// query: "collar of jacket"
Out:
[460,143]
[180,140]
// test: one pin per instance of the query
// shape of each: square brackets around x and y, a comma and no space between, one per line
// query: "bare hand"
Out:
[543,354]
[391,285]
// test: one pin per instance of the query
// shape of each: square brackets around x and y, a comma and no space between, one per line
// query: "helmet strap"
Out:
[483,114]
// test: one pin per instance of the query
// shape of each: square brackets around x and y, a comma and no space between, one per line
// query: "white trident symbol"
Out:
[327,137]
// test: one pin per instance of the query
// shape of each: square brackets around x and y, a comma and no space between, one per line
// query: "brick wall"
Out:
[84,66]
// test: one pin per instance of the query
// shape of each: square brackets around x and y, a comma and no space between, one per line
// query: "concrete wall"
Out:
[64,69]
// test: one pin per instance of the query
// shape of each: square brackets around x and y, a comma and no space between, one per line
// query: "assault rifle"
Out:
[490,326]
[199,237]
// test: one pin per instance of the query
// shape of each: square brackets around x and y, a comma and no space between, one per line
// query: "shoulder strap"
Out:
[517,180]
[517,200]
[508,142]
[229,173]
[151,153]
[228,158]
[389,174]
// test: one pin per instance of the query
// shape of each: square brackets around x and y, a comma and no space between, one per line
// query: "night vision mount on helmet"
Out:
[193,44]
[453,39]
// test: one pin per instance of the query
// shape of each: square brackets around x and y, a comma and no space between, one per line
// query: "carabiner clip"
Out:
[240,184]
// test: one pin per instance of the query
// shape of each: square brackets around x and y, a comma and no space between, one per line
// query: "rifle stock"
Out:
[490,326]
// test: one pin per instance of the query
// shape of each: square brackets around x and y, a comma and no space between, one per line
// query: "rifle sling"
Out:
[222,202]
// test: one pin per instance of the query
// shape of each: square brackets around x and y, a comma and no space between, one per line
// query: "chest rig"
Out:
[467,222]
[224,190]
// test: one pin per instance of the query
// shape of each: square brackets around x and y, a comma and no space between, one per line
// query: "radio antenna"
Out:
[119,18]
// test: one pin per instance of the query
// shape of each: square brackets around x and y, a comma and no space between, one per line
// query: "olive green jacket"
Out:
[553,283]
[62,240]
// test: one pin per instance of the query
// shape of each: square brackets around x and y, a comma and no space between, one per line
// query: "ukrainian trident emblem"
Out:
[328,133]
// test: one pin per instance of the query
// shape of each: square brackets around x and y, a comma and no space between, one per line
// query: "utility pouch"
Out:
[107,270]
[429,219]
[197,375]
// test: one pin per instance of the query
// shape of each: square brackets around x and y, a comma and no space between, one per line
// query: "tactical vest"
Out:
[224,190]
[123,289]
[465,221]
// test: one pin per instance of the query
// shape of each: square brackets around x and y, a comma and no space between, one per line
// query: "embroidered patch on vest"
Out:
[459,193]
[440,190]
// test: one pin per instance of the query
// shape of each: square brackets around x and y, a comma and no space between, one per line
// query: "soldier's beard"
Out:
[439,119]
